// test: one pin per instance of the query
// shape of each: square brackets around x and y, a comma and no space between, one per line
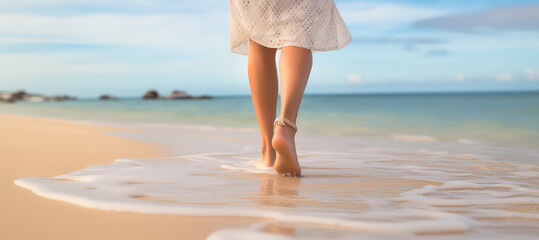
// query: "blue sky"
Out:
[125,47]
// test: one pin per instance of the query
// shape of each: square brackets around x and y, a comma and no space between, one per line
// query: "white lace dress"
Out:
[311,24]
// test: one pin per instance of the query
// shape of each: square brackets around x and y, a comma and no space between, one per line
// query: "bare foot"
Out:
[268,157]
[283,142]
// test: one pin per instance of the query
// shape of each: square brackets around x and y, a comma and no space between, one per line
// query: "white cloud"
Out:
[532,74]
[522,17]
[180,31]
[382,13]
[354,78]
[204,35]
[106,3]
[506,77]
[460,77]
[192,41]
[63,7]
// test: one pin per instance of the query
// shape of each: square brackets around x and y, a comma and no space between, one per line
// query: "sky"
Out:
[87,48]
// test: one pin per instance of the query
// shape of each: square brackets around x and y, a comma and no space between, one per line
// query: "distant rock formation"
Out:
[204,97]
[152,94]
[176,94]
[18,95]
[7,97]
[107,97]
[179,95]
[63,98]
[11,97]
[35,98]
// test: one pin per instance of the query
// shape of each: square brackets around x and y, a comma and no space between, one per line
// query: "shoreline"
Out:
[466,121]
[349,183]
[46,147]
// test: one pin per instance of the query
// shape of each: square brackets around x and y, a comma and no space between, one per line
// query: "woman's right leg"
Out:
[264,89]
[294,69]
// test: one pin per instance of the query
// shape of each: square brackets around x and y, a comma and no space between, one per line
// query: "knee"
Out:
[257,48]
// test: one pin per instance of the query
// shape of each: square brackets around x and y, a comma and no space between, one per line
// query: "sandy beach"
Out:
[33,146]
[69,175]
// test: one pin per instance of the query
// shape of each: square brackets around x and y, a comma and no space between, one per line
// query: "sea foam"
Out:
[350,188]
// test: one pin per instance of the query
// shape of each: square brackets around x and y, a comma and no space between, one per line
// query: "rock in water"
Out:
[63,97]
[7,97]
[179,95]
[107,97]
[152,94]
[35,98]
[18,95]
[204,97]
[31,97]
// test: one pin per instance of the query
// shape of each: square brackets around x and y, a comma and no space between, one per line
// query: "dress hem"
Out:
[232,49]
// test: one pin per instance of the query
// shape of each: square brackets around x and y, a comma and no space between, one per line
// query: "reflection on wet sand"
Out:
[282,192]
[278,191]
[279,228]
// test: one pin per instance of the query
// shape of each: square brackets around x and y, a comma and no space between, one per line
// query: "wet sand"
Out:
[31,146]
[371,189]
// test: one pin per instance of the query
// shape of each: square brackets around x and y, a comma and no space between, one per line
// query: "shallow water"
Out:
[502,119]
[352,187]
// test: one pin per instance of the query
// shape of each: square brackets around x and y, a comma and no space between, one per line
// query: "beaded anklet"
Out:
[284,121]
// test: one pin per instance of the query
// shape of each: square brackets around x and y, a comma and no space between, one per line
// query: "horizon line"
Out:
[361,93]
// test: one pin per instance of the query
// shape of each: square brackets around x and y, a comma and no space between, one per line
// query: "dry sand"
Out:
[40,147]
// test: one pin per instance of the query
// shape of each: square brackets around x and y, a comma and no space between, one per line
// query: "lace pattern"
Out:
[312,24]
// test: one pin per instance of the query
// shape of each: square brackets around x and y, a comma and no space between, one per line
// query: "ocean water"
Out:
[503,119]
[417,166]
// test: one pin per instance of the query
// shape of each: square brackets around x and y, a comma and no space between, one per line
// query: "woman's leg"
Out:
[294,68]
[264,83]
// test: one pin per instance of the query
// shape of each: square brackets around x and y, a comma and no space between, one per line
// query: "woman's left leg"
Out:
[294,69]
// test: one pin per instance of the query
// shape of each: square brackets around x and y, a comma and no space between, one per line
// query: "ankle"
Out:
[267,149]
[284,131]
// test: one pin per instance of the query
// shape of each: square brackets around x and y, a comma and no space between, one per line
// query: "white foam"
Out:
[472,194]
[199,127]
[336,196]
[249,166]
[249,233]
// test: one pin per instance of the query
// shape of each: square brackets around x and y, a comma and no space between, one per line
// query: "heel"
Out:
[286,162]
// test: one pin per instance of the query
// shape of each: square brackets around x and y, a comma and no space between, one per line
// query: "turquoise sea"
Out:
[501,118]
